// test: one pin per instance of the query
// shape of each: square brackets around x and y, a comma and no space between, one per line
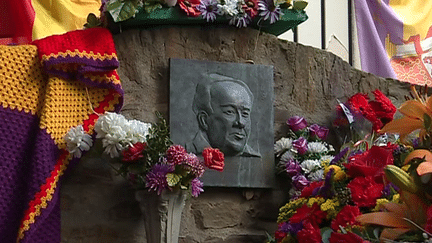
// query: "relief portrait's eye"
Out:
[246,114]
[228,111]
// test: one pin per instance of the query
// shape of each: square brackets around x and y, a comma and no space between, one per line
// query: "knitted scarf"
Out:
[46,88]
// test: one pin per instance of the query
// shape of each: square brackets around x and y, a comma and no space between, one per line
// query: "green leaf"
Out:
[121,11]
[427,121]
[325,234]
[173,179]
[150,6]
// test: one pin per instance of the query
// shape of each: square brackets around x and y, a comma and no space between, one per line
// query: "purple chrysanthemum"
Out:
[156,179]
[269,10]
[240,20]
[175,154]
[196,187]
[193,164]
[208,9]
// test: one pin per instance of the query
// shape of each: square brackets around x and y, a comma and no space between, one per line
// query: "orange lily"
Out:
[425,166]
[413,119]
[399,218]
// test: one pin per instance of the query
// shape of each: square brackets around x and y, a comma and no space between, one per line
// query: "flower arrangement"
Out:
[146,156]
[303,154]
[240,13]
[357,183]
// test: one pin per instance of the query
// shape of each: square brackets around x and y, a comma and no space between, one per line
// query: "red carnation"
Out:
[309,234]
[346,217]
[365,191]
[311,214]
[359,103]
[428,226]
[134,152]
[349,237]
[383,107]
[279,235]
[214,159]
[371,162]
[307,191]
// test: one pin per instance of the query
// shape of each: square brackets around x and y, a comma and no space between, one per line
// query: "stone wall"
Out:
[98,206]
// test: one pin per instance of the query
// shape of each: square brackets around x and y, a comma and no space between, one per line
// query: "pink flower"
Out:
[214,159]
[297,123]
[175,154]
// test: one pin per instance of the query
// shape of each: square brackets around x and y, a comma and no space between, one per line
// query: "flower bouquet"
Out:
[411,218]
[303,154]
[144,154]
[353,184]
[239,13]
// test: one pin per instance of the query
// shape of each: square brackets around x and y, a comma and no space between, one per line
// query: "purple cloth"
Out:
[375,20]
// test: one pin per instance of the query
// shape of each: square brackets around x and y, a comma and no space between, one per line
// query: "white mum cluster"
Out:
[117,132]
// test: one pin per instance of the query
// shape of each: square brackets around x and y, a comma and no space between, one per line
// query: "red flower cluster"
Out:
[214,159]
[346,217]
[379,111]
[371,162]
[134,152]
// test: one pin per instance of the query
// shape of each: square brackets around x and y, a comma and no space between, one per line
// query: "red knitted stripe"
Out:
[73,41]
[50,184]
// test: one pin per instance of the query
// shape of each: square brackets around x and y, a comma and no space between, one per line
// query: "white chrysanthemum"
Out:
[326,159]
[109,123]
[77,141]
[229,8]
[137,131]
[317,147]
[310,165]
[283,144]
[113,144]
[287,156]
[293,193]
[316,175]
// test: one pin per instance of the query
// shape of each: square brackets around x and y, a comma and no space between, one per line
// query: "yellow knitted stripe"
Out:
[81,54]
[44,200]
[67,105]
[104,79]
[22,82]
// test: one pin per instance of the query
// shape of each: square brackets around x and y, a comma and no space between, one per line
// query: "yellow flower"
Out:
[330,206]
[379,204]
[313,200]
[414,112]
[289,209]
[338,173]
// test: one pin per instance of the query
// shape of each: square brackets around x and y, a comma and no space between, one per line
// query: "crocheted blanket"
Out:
[46,88]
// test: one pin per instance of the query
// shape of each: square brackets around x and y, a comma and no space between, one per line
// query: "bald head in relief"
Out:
[223,110]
